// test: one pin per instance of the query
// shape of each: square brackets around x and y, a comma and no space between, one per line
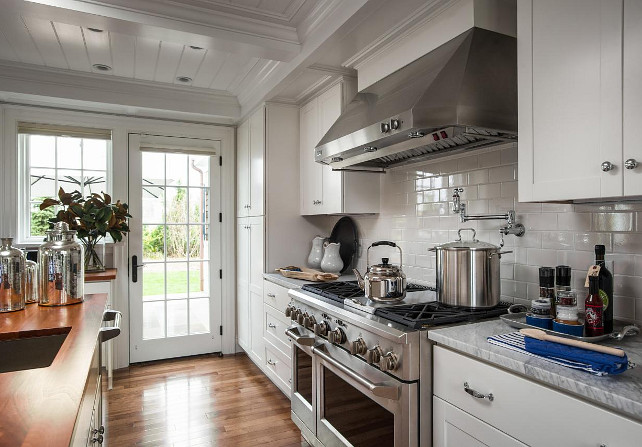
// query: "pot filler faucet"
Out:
[511,226]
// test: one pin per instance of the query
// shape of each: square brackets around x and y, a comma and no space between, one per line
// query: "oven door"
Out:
[303,391]
[358,405]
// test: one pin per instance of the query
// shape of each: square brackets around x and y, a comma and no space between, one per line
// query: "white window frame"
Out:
[24,204]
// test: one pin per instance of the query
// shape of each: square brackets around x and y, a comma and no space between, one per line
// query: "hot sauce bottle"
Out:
[594,308]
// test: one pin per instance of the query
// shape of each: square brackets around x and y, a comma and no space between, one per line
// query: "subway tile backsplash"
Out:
[415,213]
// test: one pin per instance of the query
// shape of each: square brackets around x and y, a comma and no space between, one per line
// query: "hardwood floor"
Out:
[198,401]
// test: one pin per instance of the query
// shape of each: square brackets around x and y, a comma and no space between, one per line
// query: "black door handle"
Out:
[135,267]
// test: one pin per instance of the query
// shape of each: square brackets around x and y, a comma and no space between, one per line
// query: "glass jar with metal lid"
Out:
[61,268]
[12,277]
[31,282]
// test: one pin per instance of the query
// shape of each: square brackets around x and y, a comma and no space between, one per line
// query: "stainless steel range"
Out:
[361,371]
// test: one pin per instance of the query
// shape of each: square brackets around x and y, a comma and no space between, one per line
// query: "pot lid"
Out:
[473,244]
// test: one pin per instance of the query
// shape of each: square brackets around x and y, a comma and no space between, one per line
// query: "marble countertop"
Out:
[621,393]
[291,283]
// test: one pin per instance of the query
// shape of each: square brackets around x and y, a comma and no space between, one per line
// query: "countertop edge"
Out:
[538,371]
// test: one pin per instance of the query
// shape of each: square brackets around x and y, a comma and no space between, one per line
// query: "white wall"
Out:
[415,212]
[121,127]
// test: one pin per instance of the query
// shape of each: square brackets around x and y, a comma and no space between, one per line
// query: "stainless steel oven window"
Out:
[360,420]
[303,373]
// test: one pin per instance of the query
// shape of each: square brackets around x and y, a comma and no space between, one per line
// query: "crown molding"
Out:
[169,21]
[414,21]
[334,71]
[320,13]
[57,83]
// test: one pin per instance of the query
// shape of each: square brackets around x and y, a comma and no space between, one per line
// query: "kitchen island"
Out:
[40,406]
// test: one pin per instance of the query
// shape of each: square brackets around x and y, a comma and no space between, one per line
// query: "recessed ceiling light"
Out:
[95,30]
[102,67]
[184,79]
[194,47]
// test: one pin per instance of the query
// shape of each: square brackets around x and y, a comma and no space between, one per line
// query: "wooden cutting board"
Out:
[307,274]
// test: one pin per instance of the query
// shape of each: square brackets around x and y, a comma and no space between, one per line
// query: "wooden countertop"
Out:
[107,275]
[38,407]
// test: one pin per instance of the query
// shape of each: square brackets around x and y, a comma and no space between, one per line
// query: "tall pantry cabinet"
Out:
[270,232]
[324,191]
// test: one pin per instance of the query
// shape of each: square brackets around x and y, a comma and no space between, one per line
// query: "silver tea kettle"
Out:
[385,283]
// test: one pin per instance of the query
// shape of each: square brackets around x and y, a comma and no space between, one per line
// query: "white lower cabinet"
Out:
[521,410]
[456,428]
[277,364]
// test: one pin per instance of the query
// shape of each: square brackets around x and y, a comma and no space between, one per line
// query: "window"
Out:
[53,157]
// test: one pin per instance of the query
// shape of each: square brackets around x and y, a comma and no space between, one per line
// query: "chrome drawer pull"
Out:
[271,295]
[271,362]
[272,325]
[477,394]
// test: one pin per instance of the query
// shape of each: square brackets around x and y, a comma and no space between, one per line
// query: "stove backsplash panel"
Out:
[415,213]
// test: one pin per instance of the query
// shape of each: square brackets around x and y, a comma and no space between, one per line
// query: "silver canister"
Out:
[31,282]
[61,269]
[12,277]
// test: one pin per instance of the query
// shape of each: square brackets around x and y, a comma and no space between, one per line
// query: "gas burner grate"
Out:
[340,290]
[422,316]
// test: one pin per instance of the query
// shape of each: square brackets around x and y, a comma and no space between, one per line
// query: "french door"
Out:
[174,247]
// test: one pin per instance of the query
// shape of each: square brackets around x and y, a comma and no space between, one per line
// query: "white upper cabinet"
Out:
[570,99]
[632,109]
[324,191]
[250,157]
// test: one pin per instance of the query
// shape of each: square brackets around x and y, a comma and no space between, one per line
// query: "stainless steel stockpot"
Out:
[468,273]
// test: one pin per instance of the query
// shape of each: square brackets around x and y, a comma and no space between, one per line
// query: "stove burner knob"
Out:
[358,347]
[337,336]
[321,328]
[389,362]
[374,355]
[288,311]
[300,317]
[309,322]
[294,314]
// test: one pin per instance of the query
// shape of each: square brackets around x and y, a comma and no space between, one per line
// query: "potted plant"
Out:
[93,217]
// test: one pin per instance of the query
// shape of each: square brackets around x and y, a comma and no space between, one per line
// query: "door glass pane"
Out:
[197,201]
[153,168]
[199,279]
[198,242]
[176,318]
[176,169]
[359,419]
[176,280]
[153,204]
[176,242]
[304,375]
[199,316]
[176,205]
[153,320]
[153,281]
[153,243]
[199,170]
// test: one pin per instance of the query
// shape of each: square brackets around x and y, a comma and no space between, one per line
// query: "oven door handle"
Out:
[378,389]
[299,339]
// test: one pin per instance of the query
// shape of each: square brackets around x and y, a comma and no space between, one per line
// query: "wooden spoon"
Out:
[541,335]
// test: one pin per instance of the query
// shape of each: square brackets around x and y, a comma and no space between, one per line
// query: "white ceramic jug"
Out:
[331,262]
[316,254]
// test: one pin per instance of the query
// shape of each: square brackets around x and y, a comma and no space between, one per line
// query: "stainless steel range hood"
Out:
[460,96]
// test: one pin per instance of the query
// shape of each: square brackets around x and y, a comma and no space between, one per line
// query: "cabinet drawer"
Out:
[278,368]
[275,324]
[275,295]
[527,411]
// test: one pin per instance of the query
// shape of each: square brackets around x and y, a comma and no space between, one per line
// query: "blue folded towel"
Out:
[569,356]
[600,363]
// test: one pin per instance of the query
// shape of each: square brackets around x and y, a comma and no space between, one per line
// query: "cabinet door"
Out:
[242,169]
[310,171]
[570,98]
[256,162]
[632,149]
[256,258]
[330,105]
[257,349]
[242,283]
[453,427]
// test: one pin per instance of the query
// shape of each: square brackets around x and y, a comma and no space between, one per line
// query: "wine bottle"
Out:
[605,284]
[594,310]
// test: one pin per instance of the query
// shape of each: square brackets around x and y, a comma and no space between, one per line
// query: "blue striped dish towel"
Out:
[577,358]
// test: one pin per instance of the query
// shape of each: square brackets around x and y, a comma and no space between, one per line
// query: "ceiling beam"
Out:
[169,21]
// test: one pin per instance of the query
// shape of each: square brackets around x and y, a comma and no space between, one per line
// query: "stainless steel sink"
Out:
[27,352]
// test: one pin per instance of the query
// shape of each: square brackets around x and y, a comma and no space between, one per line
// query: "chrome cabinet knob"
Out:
[388,362]
[337,336]
[631,163]
[358,347]
[321,329]
[395,124]
[100,430]
[272,325]
[374,355]
[385,127]
[607,166]
[99,439]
